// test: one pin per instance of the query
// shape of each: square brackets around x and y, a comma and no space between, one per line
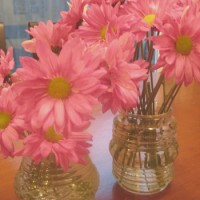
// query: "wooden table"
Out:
[186,183]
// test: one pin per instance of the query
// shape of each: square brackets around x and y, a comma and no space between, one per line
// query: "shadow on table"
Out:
[119,194]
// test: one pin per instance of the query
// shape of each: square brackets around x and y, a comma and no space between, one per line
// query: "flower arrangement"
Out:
[99,51]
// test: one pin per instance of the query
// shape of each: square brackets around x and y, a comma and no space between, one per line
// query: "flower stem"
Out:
[173,97]
[154,93]
[170,98]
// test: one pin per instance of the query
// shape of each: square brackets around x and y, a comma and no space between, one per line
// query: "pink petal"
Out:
[72,114]
[45,149]
[12,133]
[45,109]
[63,162]
[80,104]
[48,59]
[180,62]
[59,112]
[7,142]
[171,58]
[29,45]
[188,71]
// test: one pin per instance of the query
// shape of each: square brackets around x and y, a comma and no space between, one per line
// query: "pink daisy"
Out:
[152,12]
[179,49]
[103,23]
[43,143]
[122,76]
[11,122]
[53,34]
[6,62]
[73,17]
[61,89]
[6,65]
[100,23]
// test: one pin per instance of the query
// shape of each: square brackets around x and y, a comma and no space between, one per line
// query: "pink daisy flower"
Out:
[11,122]
[179,49]
[53,34]
[100,23]
[61,89]
[6,65]
[103,23]
[73,17]
[152,12]
[122,76]
[43,143]
[6,62]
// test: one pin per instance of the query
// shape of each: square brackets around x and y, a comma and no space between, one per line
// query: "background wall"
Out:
[15,14]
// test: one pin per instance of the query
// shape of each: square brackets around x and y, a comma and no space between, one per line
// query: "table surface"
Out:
[186,182]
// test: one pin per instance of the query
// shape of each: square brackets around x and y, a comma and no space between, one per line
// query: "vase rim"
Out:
[129,114]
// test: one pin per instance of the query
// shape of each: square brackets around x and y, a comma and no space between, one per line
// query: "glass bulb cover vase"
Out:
[144,148]
[47,181]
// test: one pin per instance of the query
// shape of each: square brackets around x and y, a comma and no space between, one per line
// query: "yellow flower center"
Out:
[103,32]
[150,19]
[52,136]
[59,88]
[5,119]
[183,45]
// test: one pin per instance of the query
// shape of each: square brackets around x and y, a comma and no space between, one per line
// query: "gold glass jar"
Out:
[144,148]
[47,181]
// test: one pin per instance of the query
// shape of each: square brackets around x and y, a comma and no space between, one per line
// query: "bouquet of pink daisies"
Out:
[104,52]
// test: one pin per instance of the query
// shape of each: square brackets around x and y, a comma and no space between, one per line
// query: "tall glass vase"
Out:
[47,181]
[144,148]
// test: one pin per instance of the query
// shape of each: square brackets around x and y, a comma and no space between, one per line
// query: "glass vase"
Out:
[144,148]
[47,181]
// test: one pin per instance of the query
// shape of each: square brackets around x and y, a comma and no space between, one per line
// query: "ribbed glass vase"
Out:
[47,181]
[144,148]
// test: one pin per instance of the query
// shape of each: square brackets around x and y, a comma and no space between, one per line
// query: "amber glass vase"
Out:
[144,148]
[47,181]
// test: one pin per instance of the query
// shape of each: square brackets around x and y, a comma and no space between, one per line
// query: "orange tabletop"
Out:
[186,182]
